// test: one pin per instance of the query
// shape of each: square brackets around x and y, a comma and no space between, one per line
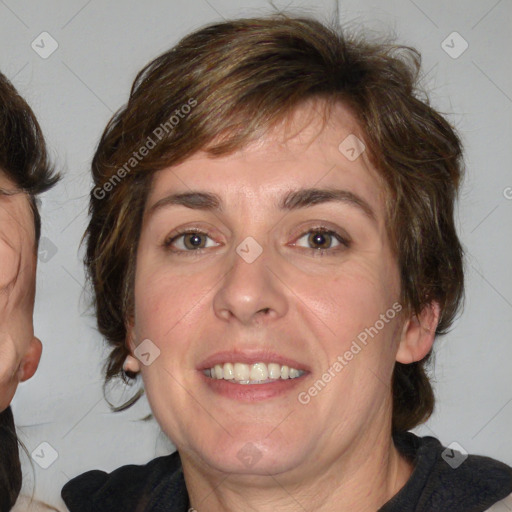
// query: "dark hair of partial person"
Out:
[24,160]
[23,155]
[244,77]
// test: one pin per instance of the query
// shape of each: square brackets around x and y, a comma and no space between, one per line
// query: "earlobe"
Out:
[418,334]
[31,359]
[131,363]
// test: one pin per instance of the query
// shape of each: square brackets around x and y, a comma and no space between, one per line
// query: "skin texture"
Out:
[20,350]
[336,452]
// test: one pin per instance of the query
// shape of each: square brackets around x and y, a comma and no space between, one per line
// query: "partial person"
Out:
[25,172]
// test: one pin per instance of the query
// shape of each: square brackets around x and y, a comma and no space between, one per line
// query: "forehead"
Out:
[306,150]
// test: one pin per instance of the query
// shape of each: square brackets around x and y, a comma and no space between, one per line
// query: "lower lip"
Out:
[252,392]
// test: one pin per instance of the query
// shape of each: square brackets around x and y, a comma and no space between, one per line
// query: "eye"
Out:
[188,241]
[321,240]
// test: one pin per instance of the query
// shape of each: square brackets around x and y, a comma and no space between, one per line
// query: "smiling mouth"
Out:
[258,373]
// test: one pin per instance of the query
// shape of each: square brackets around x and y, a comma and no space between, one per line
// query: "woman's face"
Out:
[272,269]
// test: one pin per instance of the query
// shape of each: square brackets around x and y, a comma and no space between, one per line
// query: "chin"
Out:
[252,455]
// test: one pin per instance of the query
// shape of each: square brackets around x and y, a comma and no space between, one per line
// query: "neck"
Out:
[362,479]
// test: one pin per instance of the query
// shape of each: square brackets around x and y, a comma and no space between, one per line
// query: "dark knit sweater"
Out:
[434,486]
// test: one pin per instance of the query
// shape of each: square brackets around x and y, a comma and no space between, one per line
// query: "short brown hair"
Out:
[244,76]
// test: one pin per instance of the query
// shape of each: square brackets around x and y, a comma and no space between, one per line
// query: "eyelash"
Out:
[316,252]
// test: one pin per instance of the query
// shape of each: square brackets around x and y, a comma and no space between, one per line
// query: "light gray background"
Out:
[75,91]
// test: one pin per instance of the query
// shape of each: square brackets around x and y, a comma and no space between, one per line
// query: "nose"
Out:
[251,292]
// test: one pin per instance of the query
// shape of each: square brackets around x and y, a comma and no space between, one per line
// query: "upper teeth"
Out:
[252,373]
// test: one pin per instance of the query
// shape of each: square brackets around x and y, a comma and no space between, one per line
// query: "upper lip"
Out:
[250,357]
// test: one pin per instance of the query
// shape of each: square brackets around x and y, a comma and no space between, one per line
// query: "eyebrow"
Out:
[292,200]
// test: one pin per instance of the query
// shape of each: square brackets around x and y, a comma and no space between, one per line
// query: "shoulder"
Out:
[502,506]
[446,479]
[144,485]
[479,480]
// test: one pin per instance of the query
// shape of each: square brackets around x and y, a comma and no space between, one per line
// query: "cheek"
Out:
[354,318]
[355,296]
[167,305]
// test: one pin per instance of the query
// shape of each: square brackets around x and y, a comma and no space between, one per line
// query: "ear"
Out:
[31,359]
[131,363]
[418,334]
